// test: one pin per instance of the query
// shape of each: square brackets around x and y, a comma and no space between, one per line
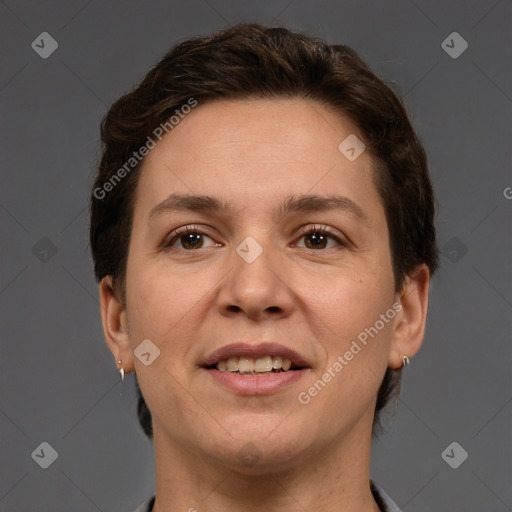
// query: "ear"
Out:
[115,325]
[409,325]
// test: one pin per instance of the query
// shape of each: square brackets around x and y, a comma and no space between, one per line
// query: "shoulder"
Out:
[383,499]
[147,506]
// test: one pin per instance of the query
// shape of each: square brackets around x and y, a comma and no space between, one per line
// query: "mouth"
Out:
[249,366]
[263,358]
[255,369]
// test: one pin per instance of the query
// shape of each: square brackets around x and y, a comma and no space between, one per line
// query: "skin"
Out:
[311,457]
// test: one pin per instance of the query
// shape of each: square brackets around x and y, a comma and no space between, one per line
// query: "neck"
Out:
[332,478]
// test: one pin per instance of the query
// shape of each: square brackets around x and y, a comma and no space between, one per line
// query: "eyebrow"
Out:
[291,204]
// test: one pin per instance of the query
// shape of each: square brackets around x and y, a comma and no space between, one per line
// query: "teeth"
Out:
[232,364]
[277,363]
[247,365]
[263,364]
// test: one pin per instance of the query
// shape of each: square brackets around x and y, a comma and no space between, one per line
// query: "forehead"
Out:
[253,150]
[287,127]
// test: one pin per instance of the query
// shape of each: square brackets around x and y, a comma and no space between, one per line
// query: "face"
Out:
[306,279]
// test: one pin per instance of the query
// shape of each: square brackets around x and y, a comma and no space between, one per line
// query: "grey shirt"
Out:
[385,503]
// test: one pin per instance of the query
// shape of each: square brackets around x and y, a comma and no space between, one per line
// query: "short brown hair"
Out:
[251,61]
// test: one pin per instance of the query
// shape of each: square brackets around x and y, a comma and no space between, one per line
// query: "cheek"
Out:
[351,298]
[154,306]
[355,339]
[161,307]
[163,300]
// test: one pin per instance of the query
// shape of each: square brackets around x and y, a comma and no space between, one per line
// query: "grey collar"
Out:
[381,497]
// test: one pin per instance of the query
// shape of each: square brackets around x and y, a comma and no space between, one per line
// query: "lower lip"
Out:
[252,385]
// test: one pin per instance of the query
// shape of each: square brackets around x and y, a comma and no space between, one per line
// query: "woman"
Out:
[262,228]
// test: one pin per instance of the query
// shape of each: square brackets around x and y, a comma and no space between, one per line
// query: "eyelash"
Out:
[176,234]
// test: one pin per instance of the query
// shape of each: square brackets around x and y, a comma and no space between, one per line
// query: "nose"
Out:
[257,288]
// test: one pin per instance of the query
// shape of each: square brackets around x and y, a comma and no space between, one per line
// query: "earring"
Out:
[405,361]
[121,370]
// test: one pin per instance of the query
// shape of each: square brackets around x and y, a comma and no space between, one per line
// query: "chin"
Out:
[258,447]
[253,458]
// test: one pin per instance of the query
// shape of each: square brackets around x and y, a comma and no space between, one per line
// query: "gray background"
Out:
[59,383]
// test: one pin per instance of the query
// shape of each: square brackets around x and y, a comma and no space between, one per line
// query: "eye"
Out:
[319,237]
[190,237]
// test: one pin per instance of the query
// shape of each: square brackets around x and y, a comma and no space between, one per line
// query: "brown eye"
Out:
[191,241]
[319,238]
[189,237]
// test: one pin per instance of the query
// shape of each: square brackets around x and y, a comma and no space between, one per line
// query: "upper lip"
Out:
[255,351]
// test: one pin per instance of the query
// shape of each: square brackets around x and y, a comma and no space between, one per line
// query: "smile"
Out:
[255,369]
[260,366]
